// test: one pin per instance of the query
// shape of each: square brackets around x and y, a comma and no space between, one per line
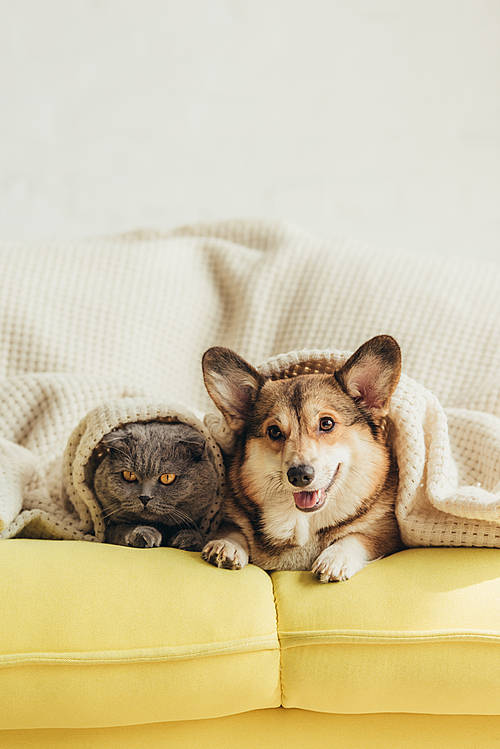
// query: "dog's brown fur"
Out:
[352,463]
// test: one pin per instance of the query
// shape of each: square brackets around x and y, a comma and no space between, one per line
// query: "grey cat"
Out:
[155,484]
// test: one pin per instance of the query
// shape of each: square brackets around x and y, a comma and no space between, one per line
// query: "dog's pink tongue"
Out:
[306,499]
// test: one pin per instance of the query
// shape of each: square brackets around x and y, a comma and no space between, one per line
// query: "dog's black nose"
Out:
[144,499]
[300,475]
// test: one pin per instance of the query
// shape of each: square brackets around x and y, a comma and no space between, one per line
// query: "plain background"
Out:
[375,120]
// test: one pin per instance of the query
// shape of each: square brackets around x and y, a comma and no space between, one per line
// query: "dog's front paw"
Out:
[225,553]
[188,540]
[340,561]
[143,537]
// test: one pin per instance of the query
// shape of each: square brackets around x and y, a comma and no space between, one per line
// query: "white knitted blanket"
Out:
[82,324]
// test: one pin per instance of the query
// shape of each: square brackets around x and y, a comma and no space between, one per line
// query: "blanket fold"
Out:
[61,503]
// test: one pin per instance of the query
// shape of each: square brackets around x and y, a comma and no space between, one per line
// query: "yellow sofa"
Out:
[104,646]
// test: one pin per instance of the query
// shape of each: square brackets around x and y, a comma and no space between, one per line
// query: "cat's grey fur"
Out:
[172,515]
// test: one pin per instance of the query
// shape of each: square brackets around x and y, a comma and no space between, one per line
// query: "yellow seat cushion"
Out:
[416,632]
[97,635]
[101,635]
[273,729]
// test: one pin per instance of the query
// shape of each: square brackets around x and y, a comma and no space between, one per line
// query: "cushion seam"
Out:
[141,655]
[385,637]
[280,647]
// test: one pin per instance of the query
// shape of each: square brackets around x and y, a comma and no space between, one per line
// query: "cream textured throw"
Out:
[83,324]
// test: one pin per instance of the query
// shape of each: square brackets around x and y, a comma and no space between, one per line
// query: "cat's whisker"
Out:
[179,517]
[111,512]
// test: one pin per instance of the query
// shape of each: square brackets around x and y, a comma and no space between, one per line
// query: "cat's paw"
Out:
[188,540]
[143,537]
[225,553]
[340,561]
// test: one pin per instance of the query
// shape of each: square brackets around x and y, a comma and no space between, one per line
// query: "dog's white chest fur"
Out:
[302,529]
[285,523]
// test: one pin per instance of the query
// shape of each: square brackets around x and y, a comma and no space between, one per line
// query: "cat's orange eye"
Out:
[129,476]
[167,478]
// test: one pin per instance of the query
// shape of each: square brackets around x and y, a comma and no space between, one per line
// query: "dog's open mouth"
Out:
[309,501]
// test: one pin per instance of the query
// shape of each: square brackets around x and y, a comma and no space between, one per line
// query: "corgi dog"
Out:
[312,480]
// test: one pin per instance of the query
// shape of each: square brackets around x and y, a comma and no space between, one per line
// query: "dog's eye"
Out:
[326,424]
[274,432]
[167,478]
[129,476]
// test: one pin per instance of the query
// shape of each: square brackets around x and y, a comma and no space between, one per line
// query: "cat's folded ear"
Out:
[114,440]
[195,444]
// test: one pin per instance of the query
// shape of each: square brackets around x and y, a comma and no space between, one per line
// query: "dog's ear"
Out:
[232,384]
[372,373]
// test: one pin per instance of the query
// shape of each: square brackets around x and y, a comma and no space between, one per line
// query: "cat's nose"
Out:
[144,499]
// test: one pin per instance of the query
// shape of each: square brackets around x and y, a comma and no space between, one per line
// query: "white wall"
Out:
[376,119]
